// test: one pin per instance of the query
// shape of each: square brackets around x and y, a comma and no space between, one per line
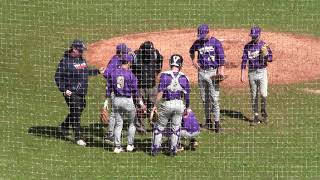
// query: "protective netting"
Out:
[52,94]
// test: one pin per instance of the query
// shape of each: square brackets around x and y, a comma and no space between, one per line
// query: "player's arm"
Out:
[135,93]
[60,77]
[192,56]
[220,57]
[244,64]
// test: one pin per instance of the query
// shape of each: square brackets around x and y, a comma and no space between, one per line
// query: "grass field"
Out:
[33,36]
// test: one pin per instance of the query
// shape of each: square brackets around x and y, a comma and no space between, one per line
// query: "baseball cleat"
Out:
[172,153]
[255,121]
[118,150]
[108,139]
[81,142]
[155,152]
[130,148]
[217,127]
[193,144]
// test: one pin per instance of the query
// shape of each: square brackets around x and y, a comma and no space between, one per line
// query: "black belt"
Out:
[173,99]
[209,68]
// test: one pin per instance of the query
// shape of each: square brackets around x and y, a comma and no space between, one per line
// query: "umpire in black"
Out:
[72,79]
[146,66]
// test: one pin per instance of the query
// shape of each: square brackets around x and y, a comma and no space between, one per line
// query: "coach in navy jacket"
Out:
[71,78]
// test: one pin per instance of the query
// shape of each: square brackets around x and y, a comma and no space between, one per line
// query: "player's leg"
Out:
[264,94]
[204,92]
[175,125]
[131,113]
[159,127]
[214,91]
[253,83]
[118,125]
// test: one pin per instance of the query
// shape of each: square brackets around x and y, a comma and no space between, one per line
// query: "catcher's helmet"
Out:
[78,44]
[176,60]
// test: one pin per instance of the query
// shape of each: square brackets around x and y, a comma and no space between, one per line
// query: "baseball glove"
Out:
[219,77]
[264,50]
[104,116]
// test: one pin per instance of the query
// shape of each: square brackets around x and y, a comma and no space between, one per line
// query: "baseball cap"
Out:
[203,30]
[78,44]
[123,48]
[255,31]
[127,58]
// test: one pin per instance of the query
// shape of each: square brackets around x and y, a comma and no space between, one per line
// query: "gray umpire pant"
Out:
[258,81]
[169,110]
[123,108]
[209,90]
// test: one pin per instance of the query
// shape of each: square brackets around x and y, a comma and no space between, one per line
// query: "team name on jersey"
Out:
[253,54]
[79,66]
[206,50]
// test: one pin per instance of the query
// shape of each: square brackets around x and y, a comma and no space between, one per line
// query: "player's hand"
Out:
[186,112]
[101,70]
[243,79]
[196,65]
[68,93]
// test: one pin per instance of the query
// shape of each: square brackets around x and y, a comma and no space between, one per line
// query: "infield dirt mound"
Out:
[295,57]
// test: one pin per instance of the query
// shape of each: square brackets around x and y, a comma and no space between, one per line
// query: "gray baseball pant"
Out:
[209,90]
[124,108]
[169,110]
[258,81]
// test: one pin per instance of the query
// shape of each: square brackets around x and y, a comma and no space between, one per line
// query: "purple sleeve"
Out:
[193,48]
[112,65]
[163,83]
[244,58]
[220,53]
[270,55]
[109,87]
[186,86]
[134,86]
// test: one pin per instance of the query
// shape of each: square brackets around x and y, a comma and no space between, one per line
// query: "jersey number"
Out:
[120,82]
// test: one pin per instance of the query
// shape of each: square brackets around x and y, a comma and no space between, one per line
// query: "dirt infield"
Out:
[295,57]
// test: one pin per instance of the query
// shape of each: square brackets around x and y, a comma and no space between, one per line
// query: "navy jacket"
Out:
[72,74]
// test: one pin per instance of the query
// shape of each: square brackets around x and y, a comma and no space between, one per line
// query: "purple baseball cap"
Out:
[123,48]
[203,30]
[255,31]
[127,57]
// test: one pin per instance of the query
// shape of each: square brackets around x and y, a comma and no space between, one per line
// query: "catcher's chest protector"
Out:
[175,85]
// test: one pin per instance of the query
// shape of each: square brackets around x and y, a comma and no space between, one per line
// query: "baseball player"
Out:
[123,83]
[210,63]
[190,130]
[172,87]
[72,79]
[257,54]
[114,63]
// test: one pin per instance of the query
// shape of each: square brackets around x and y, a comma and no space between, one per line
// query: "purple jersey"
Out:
[252,54]
[190,123]
[123,83]
[210,53]
[174,86]
[113,64]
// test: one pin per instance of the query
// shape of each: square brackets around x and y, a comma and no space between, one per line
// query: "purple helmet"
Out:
[203,30]
[255,31]
[122,48]
[125,58]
